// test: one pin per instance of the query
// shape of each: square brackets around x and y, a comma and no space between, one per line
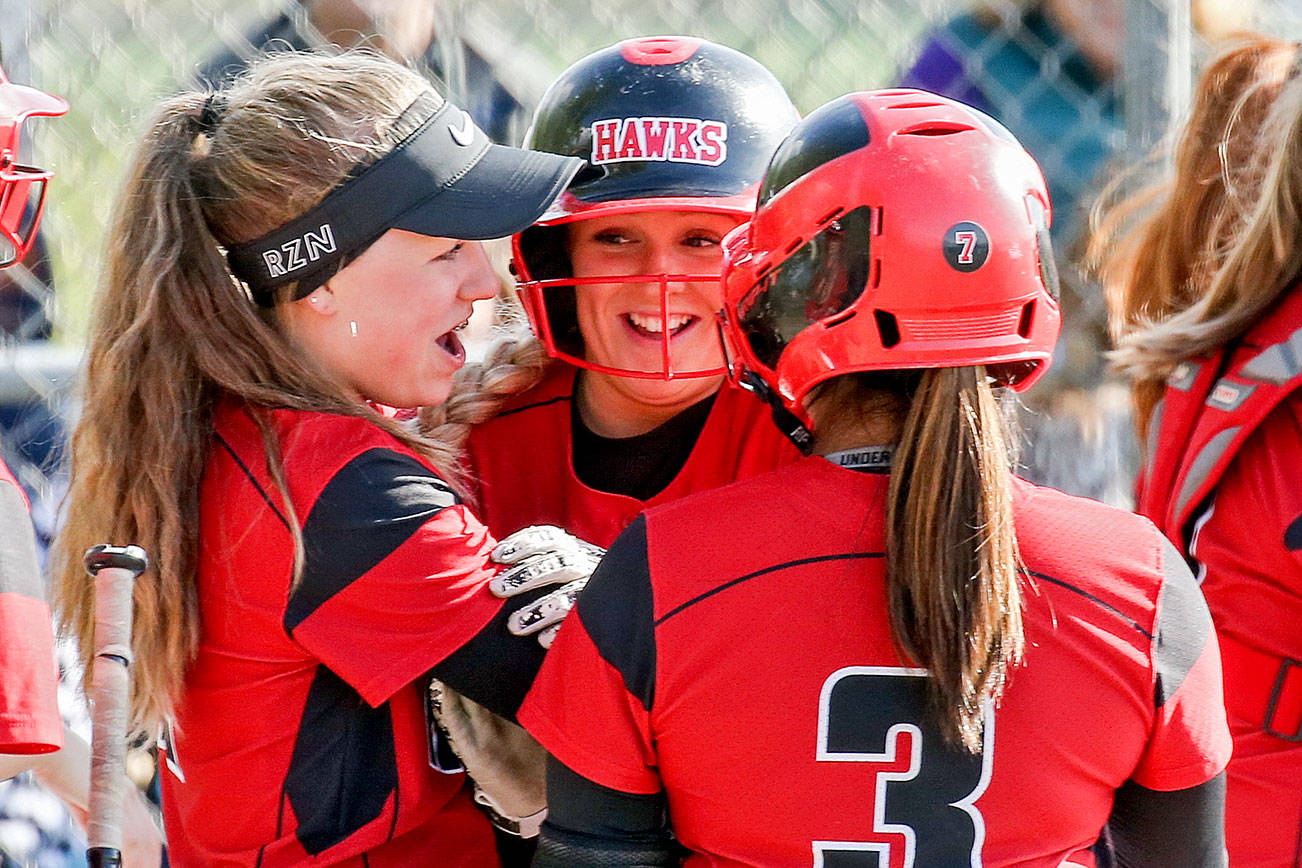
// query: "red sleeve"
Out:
[591,703]
[29,677]
[395,574]
[1191,741]
[580,710]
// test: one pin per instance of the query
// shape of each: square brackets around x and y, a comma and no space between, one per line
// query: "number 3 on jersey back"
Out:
[926,790]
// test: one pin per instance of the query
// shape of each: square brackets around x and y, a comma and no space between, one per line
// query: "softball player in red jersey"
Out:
[32,734]
[893,652]
[1207,306]
[620,283]
[29,713]
[290,253]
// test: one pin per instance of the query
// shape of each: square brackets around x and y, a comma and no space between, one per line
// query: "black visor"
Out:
[445,179]
[822,278]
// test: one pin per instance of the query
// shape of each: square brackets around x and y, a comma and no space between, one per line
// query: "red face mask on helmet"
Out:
[22,188]
[666,124]
[895,230]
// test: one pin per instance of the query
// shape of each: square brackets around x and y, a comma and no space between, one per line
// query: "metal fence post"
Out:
[1157,69]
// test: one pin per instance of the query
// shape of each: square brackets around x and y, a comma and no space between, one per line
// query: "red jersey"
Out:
[522,461]
[300,736]
[740,658]
[1225,483]
[29,673]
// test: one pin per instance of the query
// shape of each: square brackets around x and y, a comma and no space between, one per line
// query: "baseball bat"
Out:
[114,569]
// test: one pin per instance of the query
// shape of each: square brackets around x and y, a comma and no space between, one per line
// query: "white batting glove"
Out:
[539,556]
[544,615]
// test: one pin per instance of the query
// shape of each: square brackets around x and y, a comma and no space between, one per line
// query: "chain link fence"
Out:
[1085,104]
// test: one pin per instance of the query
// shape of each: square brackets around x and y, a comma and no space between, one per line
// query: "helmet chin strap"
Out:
[788,423]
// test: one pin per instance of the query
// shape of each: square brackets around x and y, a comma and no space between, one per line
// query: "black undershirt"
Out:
[640,466]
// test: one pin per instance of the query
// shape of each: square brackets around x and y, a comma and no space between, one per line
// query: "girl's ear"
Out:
[321,300]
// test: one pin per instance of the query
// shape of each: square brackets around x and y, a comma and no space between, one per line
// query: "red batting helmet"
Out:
[22,188]
[895,230]
[667,123]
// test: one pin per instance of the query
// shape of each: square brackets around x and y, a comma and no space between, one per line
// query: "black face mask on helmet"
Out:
[666,124]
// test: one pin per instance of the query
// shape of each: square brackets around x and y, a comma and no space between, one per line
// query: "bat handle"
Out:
[114,569]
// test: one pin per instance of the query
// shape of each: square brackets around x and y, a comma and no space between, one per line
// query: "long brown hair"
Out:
[953,581]
[174,331]
[1159,275]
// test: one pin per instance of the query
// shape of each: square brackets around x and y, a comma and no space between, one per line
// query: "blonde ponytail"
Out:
[514,362]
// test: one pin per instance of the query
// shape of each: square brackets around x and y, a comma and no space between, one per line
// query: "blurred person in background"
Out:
[1051,71]
[32,432]
[880,654]
[291,257]
[409,31]
[23,283]
[1207,312]
[33,736]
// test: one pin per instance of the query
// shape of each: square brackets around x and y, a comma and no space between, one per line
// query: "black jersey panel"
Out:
[616,611]
[371,507]
[588,824]
[580,805]
[1293,535]
[343,767]
[496,668]
[1177,829]
[1183,625]
[641,466]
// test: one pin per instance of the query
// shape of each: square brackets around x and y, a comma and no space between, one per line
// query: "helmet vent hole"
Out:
[875,273]
[914,105]
[836,320]
[1024,325]
[794,246]
[876,224]
[887,328]
[830,216]
[936,129]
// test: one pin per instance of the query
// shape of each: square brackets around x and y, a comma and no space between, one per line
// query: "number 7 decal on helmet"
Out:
[924,800]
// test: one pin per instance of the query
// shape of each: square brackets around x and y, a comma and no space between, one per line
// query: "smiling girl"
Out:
[290,256]
[620,283]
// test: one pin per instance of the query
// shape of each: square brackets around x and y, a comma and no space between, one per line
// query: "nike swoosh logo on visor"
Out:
[464,134]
